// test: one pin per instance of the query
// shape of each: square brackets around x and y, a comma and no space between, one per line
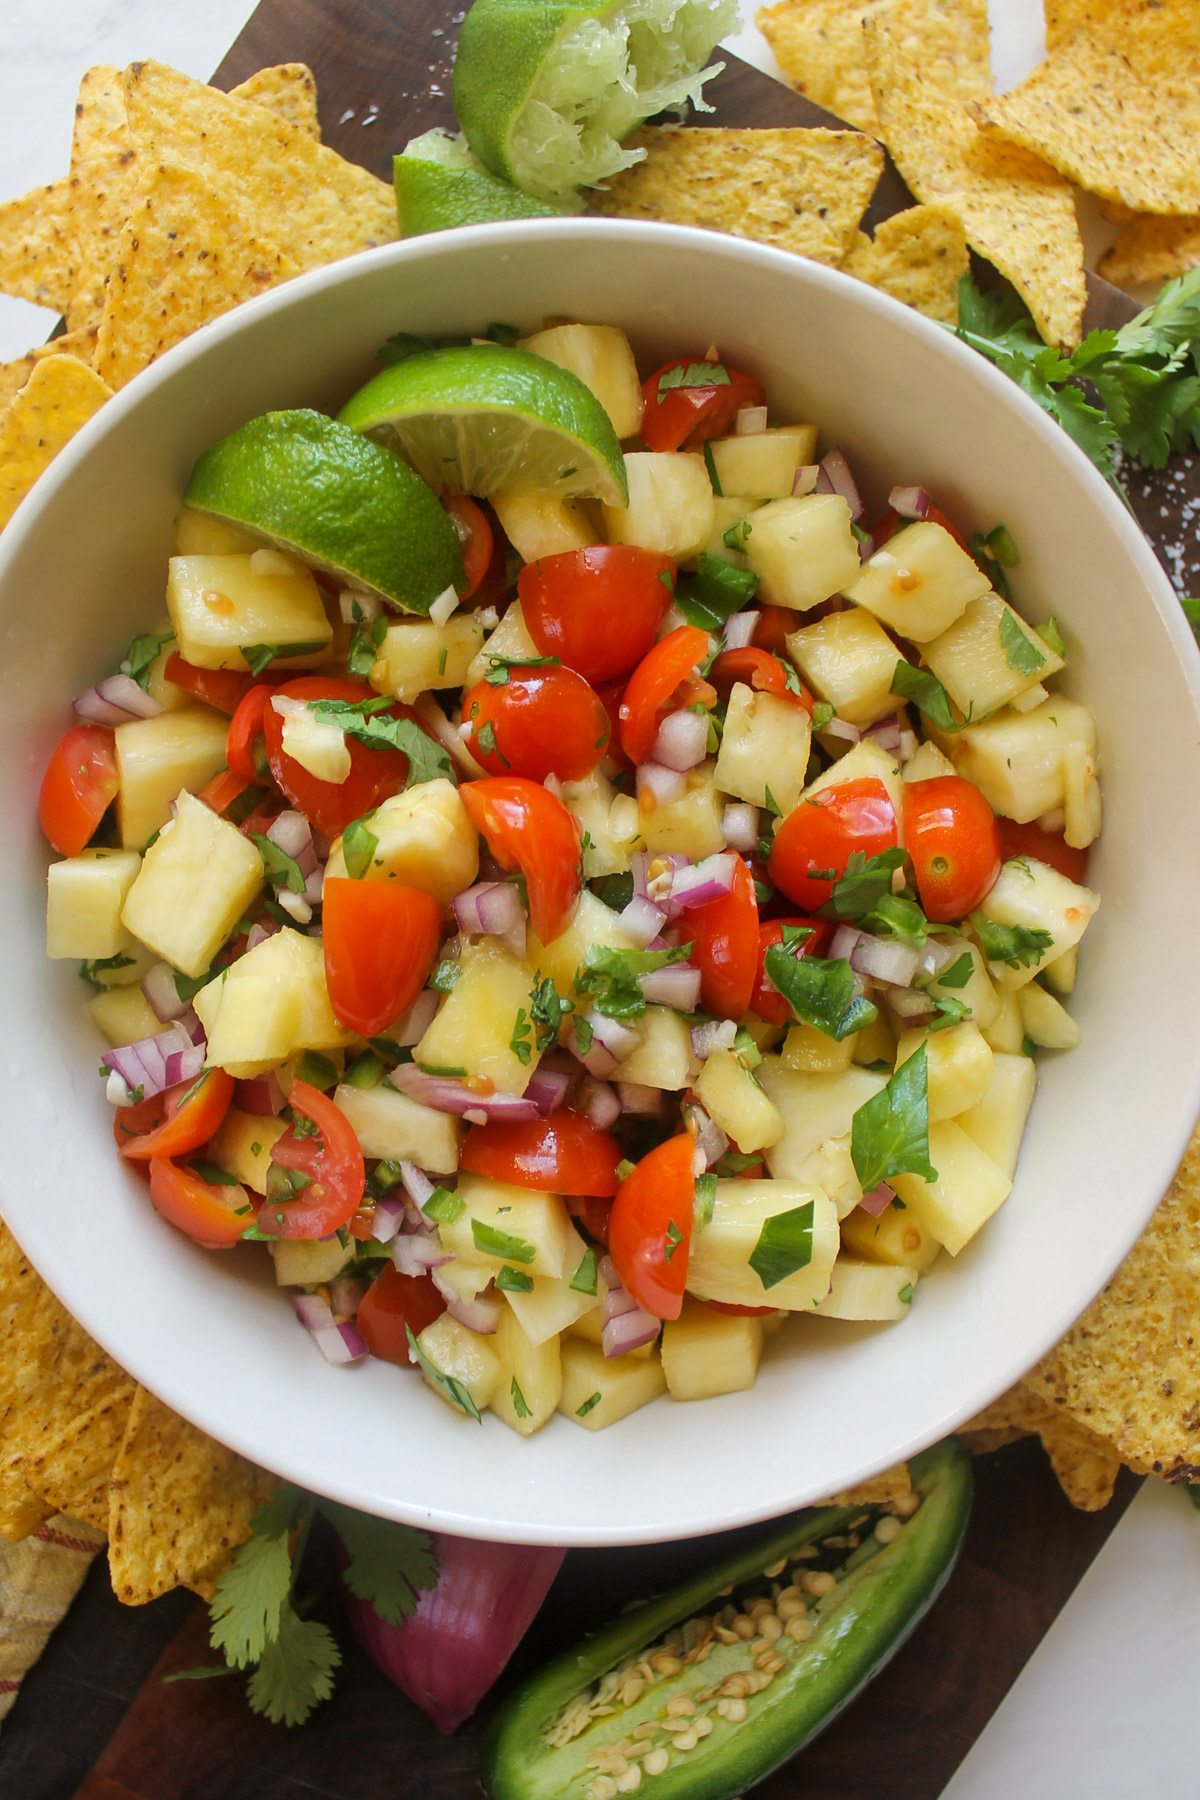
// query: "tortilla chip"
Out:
[179,1504]
[71,1471]
[316,206]
[183,258]
[1152,248]
[1116,105]
[1015,210]
[1085,1464]
[14,375]
[20,1509]
[818,45]
[37,256]
[100,123]
[889,1484]
[916,256]
[1129,1367]
[800,190]
[61,394]
[289,90]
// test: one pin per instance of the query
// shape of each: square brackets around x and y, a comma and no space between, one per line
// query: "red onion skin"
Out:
[451,1650]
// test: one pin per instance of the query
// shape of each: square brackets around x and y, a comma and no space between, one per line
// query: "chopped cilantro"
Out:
[1051,634]
[485,738]
[91,971]
[211,1172]
[368,723]
[446,976]
[365,643]
[714,591]
[905,1294]
[610,977]
[711,466]
[519,1043]
[866,881]
[949,1011]
[692,375]
[822,993]
[581,1412]
[784,1245]
[547,1009]
[447,1385]
[1018,945]
[318,1071]
[259,655]
[706,1199]
[359,845]
[188,986]
[584,1280]
[1029,1048]
[142,653]
[520,1406]
[1021,653]
[926,691]
[443,1206]
[889,1134]
[514,1281]
[501,1243]
[500,668]
[674,1239]
[959,972]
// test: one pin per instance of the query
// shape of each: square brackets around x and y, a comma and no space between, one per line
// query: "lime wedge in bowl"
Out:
[441,183]
[302,482]
[546,93]
[477,417]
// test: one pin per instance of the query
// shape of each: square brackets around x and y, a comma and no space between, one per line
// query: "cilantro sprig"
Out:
[889,1134]
[610,978]
[367,722]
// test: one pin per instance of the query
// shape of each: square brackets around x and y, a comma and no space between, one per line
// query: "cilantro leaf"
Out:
[252,1591]
[519,1042]
[547,1009]
[188,986]
[583,1281]
[1018,945]
[823,994]
[924,689]
[1020,651]
[359,845]
[865,883]
[282,870]
[500,668]
[889,1134]
[453,1389]
[142,653]
[368,724]
[610,977]
[716,590]
[501,1243]
[959,972]
[92,971]
[693,374]
[520,1404]
[295,1672]
[389,1564]
[259,655]
[365,644]
[784,1245]
[514,1281]
[444,1206]
[706,1195]
[899,918]
[949,1011]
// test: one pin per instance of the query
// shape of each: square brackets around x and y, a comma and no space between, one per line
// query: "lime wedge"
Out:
[432,197]
[478,417]
[546,93]
[301,481]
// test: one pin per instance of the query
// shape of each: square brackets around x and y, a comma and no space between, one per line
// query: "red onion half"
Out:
[156,1063]
[909,502]
[835,471]
[709,879]
[338,1343]
[492,909]
[115,701]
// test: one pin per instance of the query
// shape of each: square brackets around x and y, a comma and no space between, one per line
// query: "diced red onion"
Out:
[711,1141]
[909,502]
[416,1184]
[717,1034]
[548,1086]
[665,785]
[886,733]
[599,1103]
[314,886]
[844,942]
[699,1162]
[156,1063]
[607,1270]
[909,1002]
[617,1301]
[295,905]
[418,1252]
[417,1019]
[96,711]
[878,1199]
[260,931]
[158,985]
[682,740]
[611,1043]
[492,909]
[338,1344]
[640,1101]
[345,1292]
[641,921]
[739,826]
[887,960]
[936,954]
[841,728]
[750,421]
[446,1094]
[805,479]
[709,879]
[677,985]
[292,832]
[656,888]
[482,1314]
[262,1096]
[629,1332]
[116,700]
[836,471]
[388,1217]
[739,629]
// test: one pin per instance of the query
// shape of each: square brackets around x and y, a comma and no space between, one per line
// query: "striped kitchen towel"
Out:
[39,1578]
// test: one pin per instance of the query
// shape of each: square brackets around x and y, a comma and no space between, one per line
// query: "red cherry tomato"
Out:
[954,842]
[374,774]
[1043,846]
[222,688]
[563,1154]
[766,1001]
[738,1312]
[676,418]
[331,1159]
[650,1230]
[220,793]
[539,722]
[79,784]
[757,669]
[245,750]
[612,698]
[381,941]
[526,828]
[474,536]
[891,523]
[390,1303]
[215,1215]
[726,947]
[652,684]
[597,610]
[179,1119]
[775,624]
[821,833]
[593,1214]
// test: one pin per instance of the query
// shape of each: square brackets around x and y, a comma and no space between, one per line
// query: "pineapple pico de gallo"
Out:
[653,941]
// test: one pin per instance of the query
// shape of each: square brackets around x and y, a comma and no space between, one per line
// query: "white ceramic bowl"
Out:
[82,566]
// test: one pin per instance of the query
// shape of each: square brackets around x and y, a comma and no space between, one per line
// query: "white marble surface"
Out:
[1103,1708]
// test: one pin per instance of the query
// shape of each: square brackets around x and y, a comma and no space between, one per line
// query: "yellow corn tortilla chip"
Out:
[20,1509]
[183,258]
[1116,105]
[1128,1368]
[37,256]
[61,394]
[71,1471]
[799,190]
[14,374]
[889,1484]
[916,256]
[179,1504]
[818,45]
[316,206]
[287,89]
[1085,1464]
[1015,209]
[100,123]
[1152,248]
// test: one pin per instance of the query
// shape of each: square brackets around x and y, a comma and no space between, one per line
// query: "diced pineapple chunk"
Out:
[554,1304]
[865,760]
[269,1005]
[1046,1021]
[1060,974]
[194,884]
[831,1168]
[719,1267]
[802,550]
[867,1290]
[670,504]
[919,582]
[1005,1032]
[968,1190]
[510,639]
[816,1053]
[389,1125]
[474,1029]
[849,660]
[1019,760]
[538,524]
[664,1057]
[529,1385]
[959,1065]
[220,605]
[594,925]
[690,826]
[1033,894]
[997,1122]
[977,992]
[590,800]
[897,1236]
[814,1107]
[764,749]
[706,1353]
[973,660]
[734,1101]
[539,1222]
[763,464]
[203,534]
[461,1356]
[466,1279]
[601,357]
[315,741]
[303,1262]
[127,969]
[597,1390]
[424,839]
[927,762]
[84,898]
[170,697]
[875,1043]
[124,1015]
[729,509]
[243,1145]
[156,758]
[417,654]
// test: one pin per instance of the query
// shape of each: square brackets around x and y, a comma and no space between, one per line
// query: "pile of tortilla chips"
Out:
[180,202]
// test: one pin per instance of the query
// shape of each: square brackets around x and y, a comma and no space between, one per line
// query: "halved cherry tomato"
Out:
[756,669]
[612,696]
[245,752]
[539,722]
[681,417]
[954,842]
[474,536]
[1043,846]
[224,788]
[563,1154]
[767,1001]
[222,688]
[381,941]
[821,834]
[650,1230]
[527,828]
[775,624]
[652,684]
[738,1312]
[216,1216]
[331,1159]
[390,1303]
[726,946]
[593,1214]
[597,610]
[79,784]
[179,1119]
[374,774]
